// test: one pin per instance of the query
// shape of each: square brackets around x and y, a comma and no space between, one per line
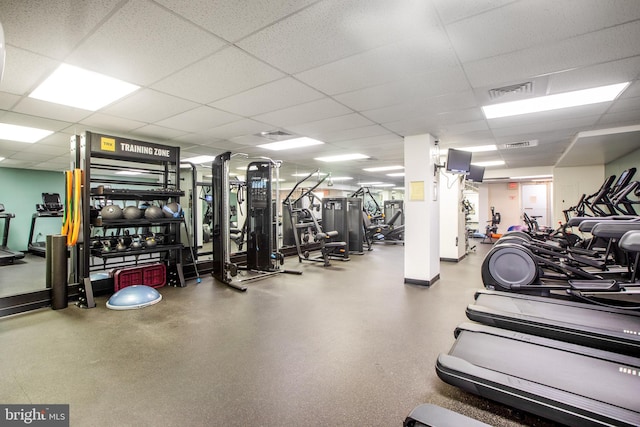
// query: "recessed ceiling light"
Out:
[363,184]
[199,159]
[341,178]
[398,188]
[383,168]
[396,174]
[489,163]
[480,148]
[383,185]
[342,158]
[22,133]
[80,88]
[1,159]
[291,143]
[555,102]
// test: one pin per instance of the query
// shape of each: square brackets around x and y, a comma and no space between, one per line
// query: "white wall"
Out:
[571,183]
[452,231]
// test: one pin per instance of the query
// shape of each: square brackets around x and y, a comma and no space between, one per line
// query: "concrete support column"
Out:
[422,211]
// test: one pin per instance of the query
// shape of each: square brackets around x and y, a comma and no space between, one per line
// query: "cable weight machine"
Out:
[262,226]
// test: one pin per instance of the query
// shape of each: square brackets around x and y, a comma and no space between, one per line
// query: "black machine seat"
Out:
[614,229]
[630,241]
[587,224]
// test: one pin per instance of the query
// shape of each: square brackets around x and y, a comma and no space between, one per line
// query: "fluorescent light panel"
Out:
[342,158]
[396,174]
[369,183]
[555,102]
[480,148]
[22,133]
[341,178]
[383,185]
[383,168]
[489,163]
[80,88]
[291,143]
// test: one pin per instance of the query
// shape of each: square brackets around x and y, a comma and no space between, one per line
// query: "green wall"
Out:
[20,191]
[631,160]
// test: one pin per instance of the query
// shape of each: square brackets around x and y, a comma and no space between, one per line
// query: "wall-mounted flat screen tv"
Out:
[476,173]
[458,161]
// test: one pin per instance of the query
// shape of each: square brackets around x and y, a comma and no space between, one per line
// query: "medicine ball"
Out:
[172,210]
[111,212]
[132,212]
[153,212]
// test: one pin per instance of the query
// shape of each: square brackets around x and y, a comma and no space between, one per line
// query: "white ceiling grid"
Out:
[357,74]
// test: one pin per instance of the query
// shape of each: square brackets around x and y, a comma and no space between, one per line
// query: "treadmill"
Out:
[563,382]
[586,324]
[51,207]
[7,256]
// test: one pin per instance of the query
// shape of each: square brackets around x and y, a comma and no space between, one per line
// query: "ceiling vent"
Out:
[520,88]
[520,144]
[274,134]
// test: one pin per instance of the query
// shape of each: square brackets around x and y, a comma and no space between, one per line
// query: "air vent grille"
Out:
[274,134]
[522,88]
[520,144]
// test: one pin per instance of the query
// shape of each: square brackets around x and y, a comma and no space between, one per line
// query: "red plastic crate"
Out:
[154,275]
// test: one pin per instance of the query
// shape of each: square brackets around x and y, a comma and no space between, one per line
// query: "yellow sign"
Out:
[107,144]
[416,190]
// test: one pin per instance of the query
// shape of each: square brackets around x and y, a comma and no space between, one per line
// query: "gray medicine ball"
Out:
[111,212]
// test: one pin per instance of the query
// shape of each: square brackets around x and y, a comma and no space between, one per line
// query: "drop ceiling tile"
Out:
[48,151]
[384,64]
[31,156]
[622,118]
[535,128]
[60,25]
[24,70]
[359,132]
[626,105]
[412,88]
[607,73]
[333,29]
[373,141]
[105,121]
[149,106]
[239,128]
[232,19]
[38,108]
[142,43]
[220,75]
[602,46]
[198,119]
[323,108]
[156,132]
[272,96]
[15,163]
[455,10]
[7,101]
[449,103]
[348,121]
[549,21]
[192,139]
[36,122]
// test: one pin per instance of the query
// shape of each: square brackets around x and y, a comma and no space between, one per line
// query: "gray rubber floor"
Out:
[339,346]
